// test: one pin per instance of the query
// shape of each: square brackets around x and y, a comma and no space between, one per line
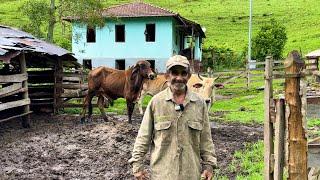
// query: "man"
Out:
[176,128]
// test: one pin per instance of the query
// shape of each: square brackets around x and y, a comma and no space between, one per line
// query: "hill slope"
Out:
[226,21]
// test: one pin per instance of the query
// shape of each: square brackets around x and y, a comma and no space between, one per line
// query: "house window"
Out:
[87,64]
[91,34]
[120,64]
[152,64]
[150,32]
[120,33]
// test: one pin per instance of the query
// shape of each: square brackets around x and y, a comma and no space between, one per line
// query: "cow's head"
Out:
[205,87]
[143,68]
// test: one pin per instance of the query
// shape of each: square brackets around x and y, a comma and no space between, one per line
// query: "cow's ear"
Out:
[197,85]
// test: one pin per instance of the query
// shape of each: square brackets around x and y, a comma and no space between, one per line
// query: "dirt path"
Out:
[61,148]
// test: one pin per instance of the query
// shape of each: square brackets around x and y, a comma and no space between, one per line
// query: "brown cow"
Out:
[109,84]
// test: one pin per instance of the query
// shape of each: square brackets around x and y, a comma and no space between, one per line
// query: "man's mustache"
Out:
[179,81]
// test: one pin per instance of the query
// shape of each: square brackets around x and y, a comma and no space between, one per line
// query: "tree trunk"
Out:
[52,21]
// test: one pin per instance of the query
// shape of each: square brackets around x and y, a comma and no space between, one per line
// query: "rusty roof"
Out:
[136,9]
[16,40]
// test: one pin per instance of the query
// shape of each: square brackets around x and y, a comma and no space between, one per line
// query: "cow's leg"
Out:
[87,103]
[101,104]
[130,108]
[140,102]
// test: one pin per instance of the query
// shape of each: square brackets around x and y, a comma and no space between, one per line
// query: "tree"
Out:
[40,12]
[36,11]
[270,40]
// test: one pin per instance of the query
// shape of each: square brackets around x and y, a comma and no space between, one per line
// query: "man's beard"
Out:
[178,85]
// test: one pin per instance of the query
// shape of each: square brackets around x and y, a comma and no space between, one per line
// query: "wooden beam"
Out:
[6,91]
[297,148]
[13,104]
[15,78]
[77,79]
[268,127]
[25,95]
[16,116]
[279,139]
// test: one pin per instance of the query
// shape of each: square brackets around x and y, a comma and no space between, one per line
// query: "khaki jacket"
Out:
[179,141]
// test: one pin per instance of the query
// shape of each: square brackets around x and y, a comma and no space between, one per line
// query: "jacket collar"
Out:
[189,96]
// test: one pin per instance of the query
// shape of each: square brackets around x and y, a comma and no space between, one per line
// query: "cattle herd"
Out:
[134,84]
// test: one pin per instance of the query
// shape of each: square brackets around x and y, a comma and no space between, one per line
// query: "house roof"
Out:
[136,9]
[140,9]
[314,54]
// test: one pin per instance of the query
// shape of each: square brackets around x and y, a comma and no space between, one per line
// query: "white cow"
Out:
[204,86]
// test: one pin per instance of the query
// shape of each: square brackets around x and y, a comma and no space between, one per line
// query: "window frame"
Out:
[116,38]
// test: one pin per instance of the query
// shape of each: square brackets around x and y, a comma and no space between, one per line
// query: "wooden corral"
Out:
[285,143]
[27,76]
[14,99]
[69,85]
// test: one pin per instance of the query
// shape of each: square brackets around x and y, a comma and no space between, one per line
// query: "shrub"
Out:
[218,58]
[270,40]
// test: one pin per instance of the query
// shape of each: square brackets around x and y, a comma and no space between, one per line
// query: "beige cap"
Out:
[177,60]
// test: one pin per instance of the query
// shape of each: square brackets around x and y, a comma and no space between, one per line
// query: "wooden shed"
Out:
[30,70]
[312,64]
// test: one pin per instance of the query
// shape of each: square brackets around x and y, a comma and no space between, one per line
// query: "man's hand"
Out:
[206,175]
[141,175]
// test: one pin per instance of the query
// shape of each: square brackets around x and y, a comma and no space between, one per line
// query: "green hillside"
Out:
[226,21]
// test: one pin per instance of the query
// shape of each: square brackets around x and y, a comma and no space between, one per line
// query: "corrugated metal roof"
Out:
[2,51]
[14,39]
[314,54]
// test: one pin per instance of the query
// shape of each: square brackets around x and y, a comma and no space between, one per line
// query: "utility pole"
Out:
[249,46]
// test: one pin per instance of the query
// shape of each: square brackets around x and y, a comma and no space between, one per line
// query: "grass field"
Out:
[226,21]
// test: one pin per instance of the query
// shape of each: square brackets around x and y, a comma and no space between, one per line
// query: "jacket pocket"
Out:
[195,129]
[163,133]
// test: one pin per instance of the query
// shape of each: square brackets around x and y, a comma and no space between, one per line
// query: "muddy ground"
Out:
[59,147]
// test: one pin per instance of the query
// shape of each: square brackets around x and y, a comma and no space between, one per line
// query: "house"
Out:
[135,31]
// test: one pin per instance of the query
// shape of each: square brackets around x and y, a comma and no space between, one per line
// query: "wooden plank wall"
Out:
[14,97]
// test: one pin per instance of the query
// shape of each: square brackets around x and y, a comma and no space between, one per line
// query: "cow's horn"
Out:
[200,77]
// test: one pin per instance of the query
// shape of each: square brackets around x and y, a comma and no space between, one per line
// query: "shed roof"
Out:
[140,9]
[314,54]
[16,40]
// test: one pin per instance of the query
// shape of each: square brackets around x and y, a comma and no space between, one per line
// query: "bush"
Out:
[218,58]
[270,40]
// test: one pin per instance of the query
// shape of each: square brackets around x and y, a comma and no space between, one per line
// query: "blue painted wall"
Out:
[105,50]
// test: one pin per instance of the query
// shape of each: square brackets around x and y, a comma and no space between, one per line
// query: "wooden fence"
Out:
[14,99]
[285,142]
[248,75]
[69,85]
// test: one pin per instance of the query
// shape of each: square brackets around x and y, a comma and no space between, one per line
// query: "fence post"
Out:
[297,160]
[268,127]
[58,85]
[25,95]
[279,139]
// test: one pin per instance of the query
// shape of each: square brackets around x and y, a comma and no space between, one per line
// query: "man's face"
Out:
[178,77]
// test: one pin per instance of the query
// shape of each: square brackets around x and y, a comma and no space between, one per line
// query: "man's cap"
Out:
[177,60]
